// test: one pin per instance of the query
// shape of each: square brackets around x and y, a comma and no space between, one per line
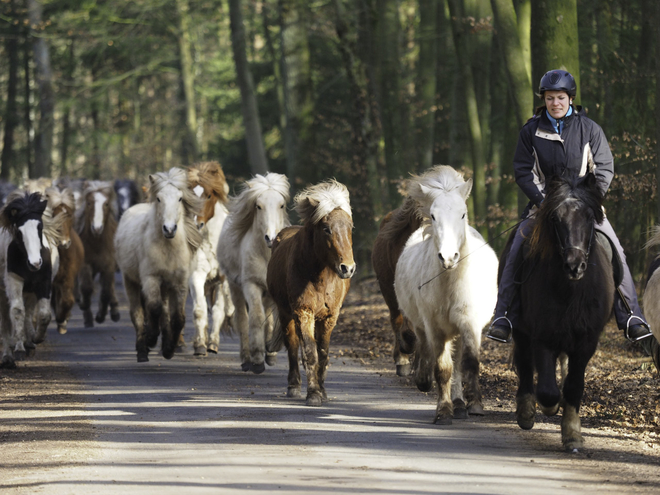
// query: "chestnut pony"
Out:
[308,277]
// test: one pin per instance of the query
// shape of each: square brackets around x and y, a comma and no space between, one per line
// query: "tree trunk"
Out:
[426,83]
[253,136]
[44,135]
[11,109]
[514,59]
[474,126]
[66,125]
[27,109]
[555,40]
[296,83]
[388,60]
[190,148]
[657,109]
[524,16]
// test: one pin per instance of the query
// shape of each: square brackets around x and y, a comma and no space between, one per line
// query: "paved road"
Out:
[193,425]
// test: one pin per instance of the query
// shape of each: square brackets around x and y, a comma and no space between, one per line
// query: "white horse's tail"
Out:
[276,342]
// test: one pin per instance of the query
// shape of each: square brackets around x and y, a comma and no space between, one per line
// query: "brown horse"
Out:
[395,229]
[96,224]
[308,277]
[71,253]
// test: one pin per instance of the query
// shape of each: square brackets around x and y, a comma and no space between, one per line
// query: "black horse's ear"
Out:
[42,206]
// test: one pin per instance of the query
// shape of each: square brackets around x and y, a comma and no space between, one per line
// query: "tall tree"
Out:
[190,148]
[476,138]
[251,122]
[296,81]
[555,40]
[426,82]
[11,110]
[43,75]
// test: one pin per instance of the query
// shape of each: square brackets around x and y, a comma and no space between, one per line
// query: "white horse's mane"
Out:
[425,188]
[242,207]
[192,205]
[315,202]
[58,197]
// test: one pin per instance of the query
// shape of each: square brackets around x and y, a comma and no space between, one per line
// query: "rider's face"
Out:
[557,103]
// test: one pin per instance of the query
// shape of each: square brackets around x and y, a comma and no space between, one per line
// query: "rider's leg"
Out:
[506,309]
[628,314]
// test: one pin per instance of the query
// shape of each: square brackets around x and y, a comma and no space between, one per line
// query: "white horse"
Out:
[28,261]
[446,285]
[208,182]
[155,243]
[256,216]
[652,299]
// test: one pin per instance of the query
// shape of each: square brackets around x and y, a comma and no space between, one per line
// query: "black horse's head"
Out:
[566,221]
[22,218]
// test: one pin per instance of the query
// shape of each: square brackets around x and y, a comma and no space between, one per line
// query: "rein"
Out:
[576,248]
[484,244]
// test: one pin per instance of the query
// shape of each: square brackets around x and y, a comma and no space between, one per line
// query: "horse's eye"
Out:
[158,199]
[463,216]
[180,200]
[209,196]
[432,217]
[281,206]
[327,230]
[258,207]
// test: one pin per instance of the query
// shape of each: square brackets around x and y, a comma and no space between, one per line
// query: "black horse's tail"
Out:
[276,342]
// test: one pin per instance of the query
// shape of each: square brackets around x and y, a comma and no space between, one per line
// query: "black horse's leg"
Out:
[547,391]
[571,436]
[525,399]
[292,346]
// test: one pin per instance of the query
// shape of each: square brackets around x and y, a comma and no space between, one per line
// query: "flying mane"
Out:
[425,188]
[31,203]
[315,202]
[192,204]
[242,207]
[210,174]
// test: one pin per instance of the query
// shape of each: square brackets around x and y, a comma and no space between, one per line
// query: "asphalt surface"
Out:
[200,425]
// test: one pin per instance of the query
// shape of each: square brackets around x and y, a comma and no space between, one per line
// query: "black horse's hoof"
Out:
[403,369]
[424,385]
[142,357]
[476,409]
[443,420]
[293,392]
[314,400]
[20,355]
[88,319]
[168,353]
[100,318]
[246,366]
[258,369]
[460,411]
[30,351]
[8,363]
[114,314]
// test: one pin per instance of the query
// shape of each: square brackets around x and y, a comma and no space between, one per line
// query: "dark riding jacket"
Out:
[542,153]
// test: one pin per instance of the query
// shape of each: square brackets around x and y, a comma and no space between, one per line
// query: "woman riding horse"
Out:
[559,140]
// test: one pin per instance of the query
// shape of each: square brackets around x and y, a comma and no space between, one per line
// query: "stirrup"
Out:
[642,322]
[496,339]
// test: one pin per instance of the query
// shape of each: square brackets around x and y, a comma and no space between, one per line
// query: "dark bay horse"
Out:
[395,230]
[567,290]
[308,277]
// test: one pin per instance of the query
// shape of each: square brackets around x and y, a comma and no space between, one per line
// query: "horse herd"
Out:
[248,270]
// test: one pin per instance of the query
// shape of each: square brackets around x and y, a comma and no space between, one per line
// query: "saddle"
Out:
[602,239]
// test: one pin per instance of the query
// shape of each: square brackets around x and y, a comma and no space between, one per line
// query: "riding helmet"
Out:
[558,80]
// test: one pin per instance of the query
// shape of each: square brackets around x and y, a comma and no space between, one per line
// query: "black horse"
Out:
[128,194]
[567,290]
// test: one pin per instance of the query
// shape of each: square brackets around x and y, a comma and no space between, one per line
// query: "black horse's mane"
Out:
[19,205]
[559,189]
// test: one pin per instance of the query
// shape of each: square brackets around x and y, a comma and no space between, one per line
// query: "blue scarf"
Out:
[558,125]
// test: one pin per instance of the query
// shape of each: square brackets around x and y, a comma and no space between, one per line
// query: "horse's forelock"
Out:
[317,201]
[20,203]
[242,207]
[210,174]
[425,188]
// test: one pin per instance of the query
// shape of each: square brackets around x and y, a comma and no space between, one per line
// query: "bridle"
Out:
[576,248]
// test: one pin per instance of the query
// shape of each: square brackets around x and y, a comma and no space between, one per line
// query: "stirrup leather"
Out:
[510,329]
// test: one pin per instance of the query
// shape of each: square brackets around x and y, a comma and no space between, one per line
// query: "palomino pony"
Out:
[26,264]
[256,216]
[155,244]
[308,277]
[71,253]
[208,182]
[446,285]
[567,292]
[96,224]
[395,230]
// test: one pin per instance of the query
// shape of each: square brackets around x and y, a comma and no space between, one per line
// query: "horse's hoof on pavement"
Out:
[424,385]
[142,357]
[550,411]
[573,445]
[169,353]
[212,348]
[100,318]
[271,359]
[114,315]
[443,420]
[30,351]
[38,340]
[314,400]
[88,319]
[20,355]
[460,411]
[293,392]
[200,350]
[324,395]
[403,369]
[61,329]
[180,349]
[258,369]
[246,366]
[8,363]
[476,410]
